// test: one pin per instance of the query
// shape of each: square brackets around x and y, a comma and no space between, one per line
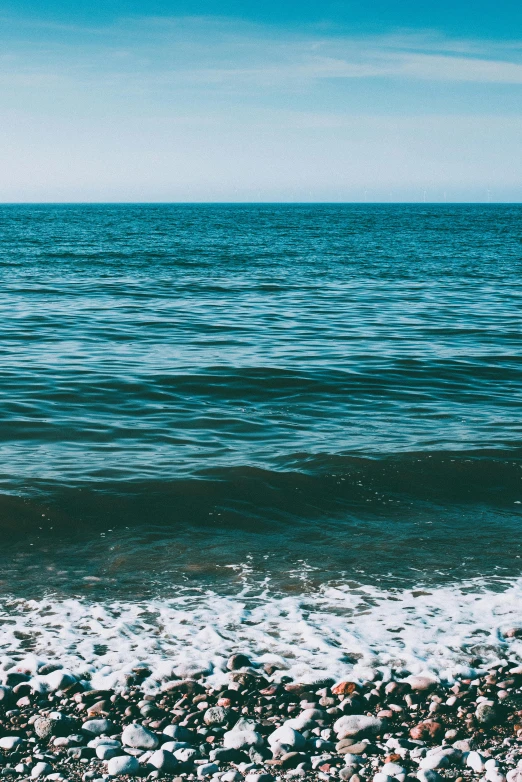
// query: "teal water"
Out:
[307,392]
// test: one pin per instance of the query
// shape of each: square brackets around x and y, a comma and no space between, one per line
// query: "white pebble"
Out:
[106,752]
[428,775]
[123,764]
[475,761]
[394,770]
[231,776]
[207,769]
[41,770]
[139,737]
[10,742]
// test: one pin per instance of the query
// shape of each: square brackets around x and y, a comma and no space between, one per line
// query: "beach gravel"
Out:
[256,727]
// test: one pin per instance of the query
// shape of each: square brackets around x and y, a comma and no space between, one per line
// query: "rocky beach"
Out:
[258,725]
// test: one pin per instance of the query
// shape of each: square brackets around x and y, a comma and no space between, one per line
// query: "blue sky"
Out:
[340,101]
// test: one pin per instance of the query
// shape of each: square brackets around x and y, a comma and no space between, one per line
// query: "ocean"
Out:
[290,430]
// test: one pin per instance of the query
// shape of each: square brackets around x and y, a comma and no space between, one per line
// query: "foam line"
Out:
[448,631]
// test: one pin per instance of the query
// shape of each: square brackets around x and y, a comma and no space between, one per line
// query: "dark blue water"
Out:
[188,387]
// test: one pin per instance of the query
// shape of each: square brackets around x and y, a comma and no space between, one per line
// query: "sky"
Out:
[128,100]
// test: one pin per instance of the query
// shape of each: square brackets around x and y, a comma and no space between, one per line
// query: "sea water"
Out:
[294,430]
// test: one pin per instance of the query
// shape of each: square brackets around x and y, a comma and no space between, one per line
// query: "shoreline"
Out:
[350,630]
[255,723]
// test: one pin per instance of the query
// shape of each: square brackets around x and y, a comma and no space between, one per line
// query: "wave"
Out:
[342,628]
[303,486]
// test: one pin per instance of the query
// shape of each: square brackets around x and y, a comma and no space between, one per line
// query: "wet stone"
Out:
[217,715]
[98,727]
[139,737]
[486,713]
[123,765]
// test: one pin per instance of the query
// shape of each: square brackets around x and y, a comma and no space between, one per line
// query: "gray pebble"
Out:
[97,727]
[486,713]
[217,715]
[106,752]
[163,760]
[139,737]
[352,725]
[123,764]
[41,769]
[207,769]
[186,754]
[242,739]
[179,733]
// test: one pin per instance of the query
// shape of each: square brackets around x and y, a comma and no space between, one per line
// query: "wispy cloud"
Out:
[375,64]
[216,51]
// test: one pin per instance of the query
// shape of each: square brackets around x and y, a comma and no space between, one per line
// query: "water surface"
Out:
[288,398]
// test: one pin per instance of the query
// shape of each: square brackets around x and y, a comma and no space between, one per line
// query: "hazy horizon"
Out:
[220,102]
[260,203]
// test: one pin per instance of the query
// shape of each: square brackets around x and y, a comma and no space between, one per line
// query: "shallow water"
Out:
[277,398]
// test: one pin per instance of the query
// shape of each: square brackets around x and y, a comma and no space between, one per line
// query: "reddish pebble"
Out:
[270,690]
[427,729]
[513,632]
[344,688]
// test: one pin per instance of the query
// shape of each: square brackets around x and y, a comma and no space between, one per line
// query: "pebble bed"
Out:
[259,727]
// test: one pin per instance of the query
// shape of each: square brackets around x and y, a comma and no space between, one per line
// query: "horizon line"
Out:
[260,203]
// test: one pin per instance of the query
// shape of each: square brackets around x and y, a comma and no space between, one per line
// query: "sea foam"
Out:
[341,629]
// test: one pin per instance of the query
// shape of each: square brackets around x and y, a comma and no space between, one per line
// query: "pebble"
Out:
[475,761]
[163,760]
[421,683]
[10,742]
[395,770]
[306,720]
[427,729]
[172,746]
[242,739]
[44,727]
[106,752]
[59,680]
[352,725]
[98,727]
[123,764]
[99,740]
[428,775]
[139,737]
[486,713]
[187,754]
[217,715]
[286,736]
[41,769]
[207,770]
[178,732]
[238,661]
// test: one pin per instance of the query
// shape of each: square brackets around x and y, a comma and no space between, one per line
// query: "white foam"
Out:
[338,630]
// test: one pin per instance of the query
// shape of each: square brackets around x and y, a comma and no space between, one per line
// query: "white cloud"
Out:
[217,51]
